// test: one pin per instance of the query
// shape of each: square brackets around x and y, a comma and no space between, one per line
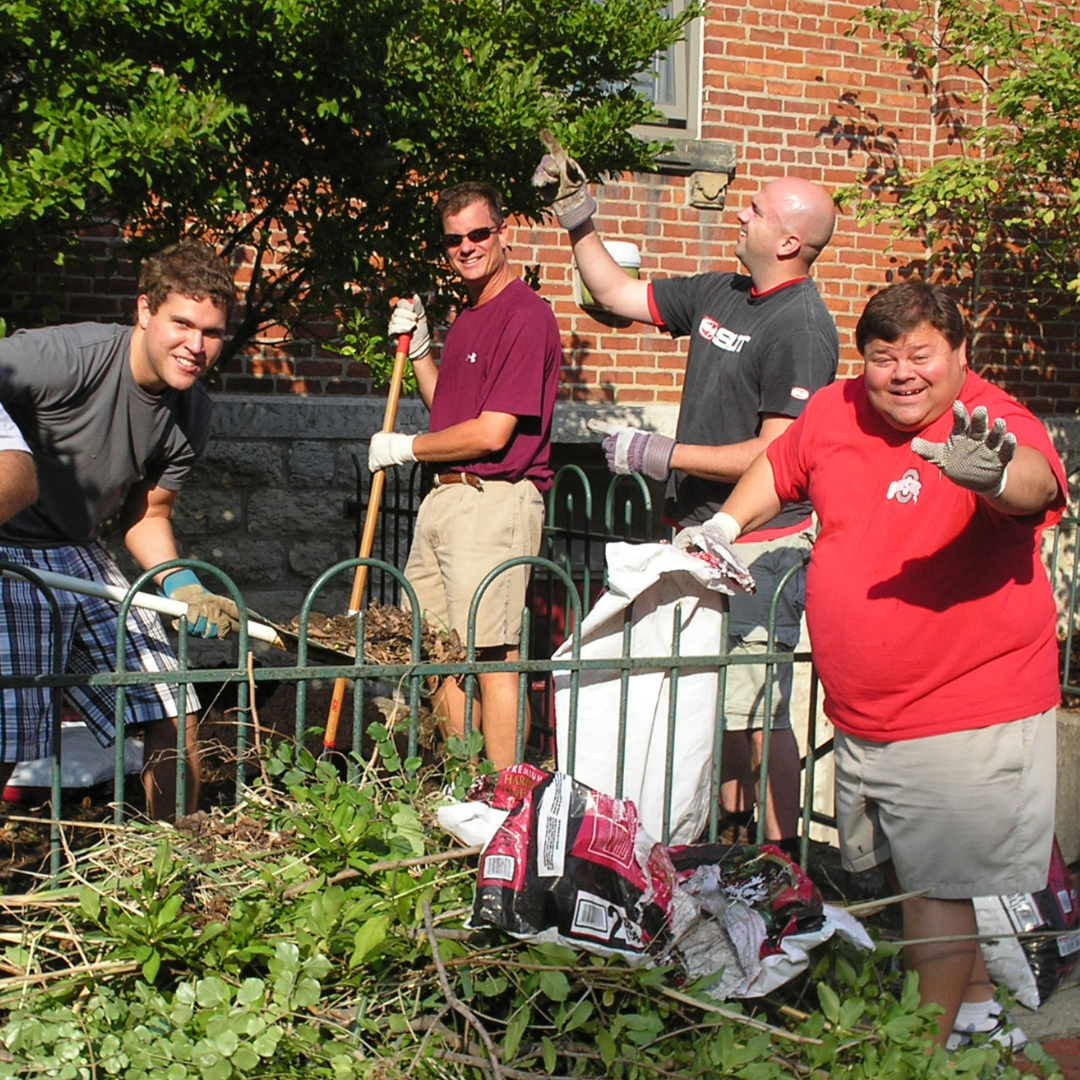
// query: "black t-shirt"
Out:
[750,356]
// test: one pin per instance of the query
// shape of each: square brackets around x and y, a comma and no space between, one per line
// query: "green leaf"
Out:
[515,1029]
[151,966]
[606,1045]
[370,935]
[830,1002]
[212,992]
[851,1011]
[554,985]
[550,1057]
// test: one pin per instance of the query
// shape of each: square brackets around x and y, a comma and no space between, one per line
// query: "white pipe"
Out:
[160,604]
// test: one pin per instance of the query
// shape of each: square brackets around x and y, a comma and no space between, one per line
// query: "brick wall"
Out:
[785,91]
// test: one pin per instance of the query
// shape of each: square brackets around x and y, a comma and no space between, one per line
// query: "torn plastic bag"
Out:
[648,583]
[1032,968]
[84,763]
[574,866]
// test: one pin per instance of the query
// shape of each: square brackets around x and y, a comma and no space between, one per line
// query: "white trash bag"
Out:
[656,581]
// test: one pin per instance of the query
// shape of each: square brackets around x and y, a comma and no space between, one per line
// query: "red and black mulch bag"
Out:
[572,865]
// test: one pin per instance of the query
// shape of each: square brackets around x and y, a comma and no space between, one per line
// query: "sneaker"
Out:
[987,1019]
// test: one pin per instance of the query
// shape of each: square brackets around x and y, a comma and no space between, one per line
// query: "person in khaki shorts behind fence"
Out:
[491,399]
[933,625]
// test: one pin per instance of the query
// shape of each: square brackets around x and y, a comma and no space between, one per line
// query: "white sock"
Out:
[975,1015]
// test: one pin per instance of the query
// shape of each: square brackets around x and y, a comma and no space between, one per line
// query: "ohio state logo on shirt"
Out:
[720,336]
[907,488]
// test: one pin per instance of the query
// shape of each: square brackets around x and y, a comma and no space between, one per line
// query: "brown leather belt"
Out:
[459,478]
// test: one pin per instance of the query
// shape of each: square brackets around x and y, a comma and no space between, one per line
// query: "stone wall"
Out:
[268,502]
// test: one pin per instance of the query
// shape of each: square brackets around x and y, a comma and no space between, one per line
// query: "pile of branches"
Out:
[388,636]
[319,931]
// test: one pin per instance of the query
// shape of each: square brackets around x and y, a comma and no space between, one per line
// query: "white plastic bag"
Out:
[85,762]
[658,581]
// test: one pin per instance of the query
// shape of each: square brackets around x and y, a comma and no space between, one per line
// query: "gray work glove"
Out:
[720,527]
[208,615]
[409,317]
[389,448]
[629,450]
[572,202]
[976,456]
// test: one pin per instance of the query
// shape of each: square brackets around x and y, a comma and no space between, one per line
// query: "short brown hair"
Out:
[190,268]
[897,310]
[454,199]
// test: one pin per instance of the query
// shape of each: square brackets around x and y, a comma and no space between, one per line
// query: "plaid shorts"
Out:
[88,627]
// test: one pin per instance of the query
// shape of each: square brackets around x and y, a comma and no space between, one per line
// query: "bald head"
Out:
[806,210]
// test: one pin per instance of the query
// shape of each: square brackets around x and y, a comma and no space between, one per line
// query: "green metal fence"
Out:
[566,579]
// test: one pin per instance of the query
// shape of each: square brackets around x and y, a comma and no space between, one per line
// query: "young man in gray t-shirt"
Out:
[115,418]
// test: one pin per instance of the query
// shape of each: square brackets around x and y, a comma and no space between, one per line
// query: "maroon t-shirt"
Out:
[503,356]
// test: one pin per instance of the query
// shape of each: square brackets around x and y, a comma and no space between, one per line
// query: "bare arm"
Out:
[754,501]
[18,482]
[427,375]
[728,463]
[1030,487]
[487,434]
[611,287]
[146,519]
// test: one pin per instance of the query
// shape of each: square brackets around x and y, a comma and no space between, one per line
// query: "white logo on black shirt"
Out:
[720,336]
[907,488]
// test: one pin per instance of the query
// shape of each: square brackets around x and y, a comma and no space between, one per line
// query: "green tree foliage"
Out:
[1004,81]
[311,133]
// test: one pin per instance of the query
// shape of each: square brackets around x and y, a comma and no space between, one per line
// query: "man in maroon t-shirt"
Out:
[491,399]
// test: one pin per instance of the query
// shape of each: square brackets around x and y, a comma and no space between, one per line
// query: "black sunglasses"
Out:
[476,236]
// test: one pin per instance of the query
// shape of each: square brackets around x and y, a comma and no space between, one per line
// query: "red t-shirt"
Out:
[928,611]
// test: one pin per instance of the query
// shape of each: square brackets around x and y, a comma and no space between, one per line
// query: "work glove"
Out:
[572,202]
[409,317]
[389,448]
[629,450]
[208,615]
[976,456]
[720,527]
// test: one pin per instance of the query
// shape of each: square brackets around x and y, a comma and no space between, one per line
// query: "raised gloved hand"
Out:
[409,317]
[720,526]
[572,202]
[389,448]
[976,456]
[629,450]
[208,615]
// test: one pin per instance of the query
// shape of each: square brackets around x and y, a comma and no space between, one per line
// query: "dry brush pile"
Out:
[317,932]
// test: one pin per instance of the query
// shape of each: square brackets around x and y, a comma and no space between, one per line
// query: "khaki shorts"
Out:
[966,814]
[462,534]
[769,561]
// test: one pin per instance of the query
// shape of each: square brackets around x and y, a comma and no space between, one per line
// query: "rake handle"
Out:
[367,538]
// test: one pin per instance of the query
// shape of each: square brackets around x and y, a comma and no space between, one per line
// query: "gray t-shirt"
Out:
[92,429]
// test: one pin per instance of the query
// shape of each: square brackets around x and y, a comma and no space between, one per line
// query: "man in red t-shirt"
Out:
[491,398]
[933,628]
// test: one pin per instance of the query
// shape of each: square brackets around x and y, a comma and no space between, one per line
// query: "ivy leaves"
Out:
[1005,84]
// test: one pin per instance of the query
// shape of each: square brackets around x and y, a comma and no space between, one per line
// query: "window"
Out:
[674,82]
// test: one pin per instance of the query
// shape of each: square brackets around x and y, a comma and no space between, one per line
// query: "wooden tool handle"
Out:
[367,538]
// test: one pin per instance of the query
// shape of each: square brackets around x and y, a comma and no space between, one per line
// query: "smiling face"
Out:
[761,231]
[915,379]
[177,344]
[477,263]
